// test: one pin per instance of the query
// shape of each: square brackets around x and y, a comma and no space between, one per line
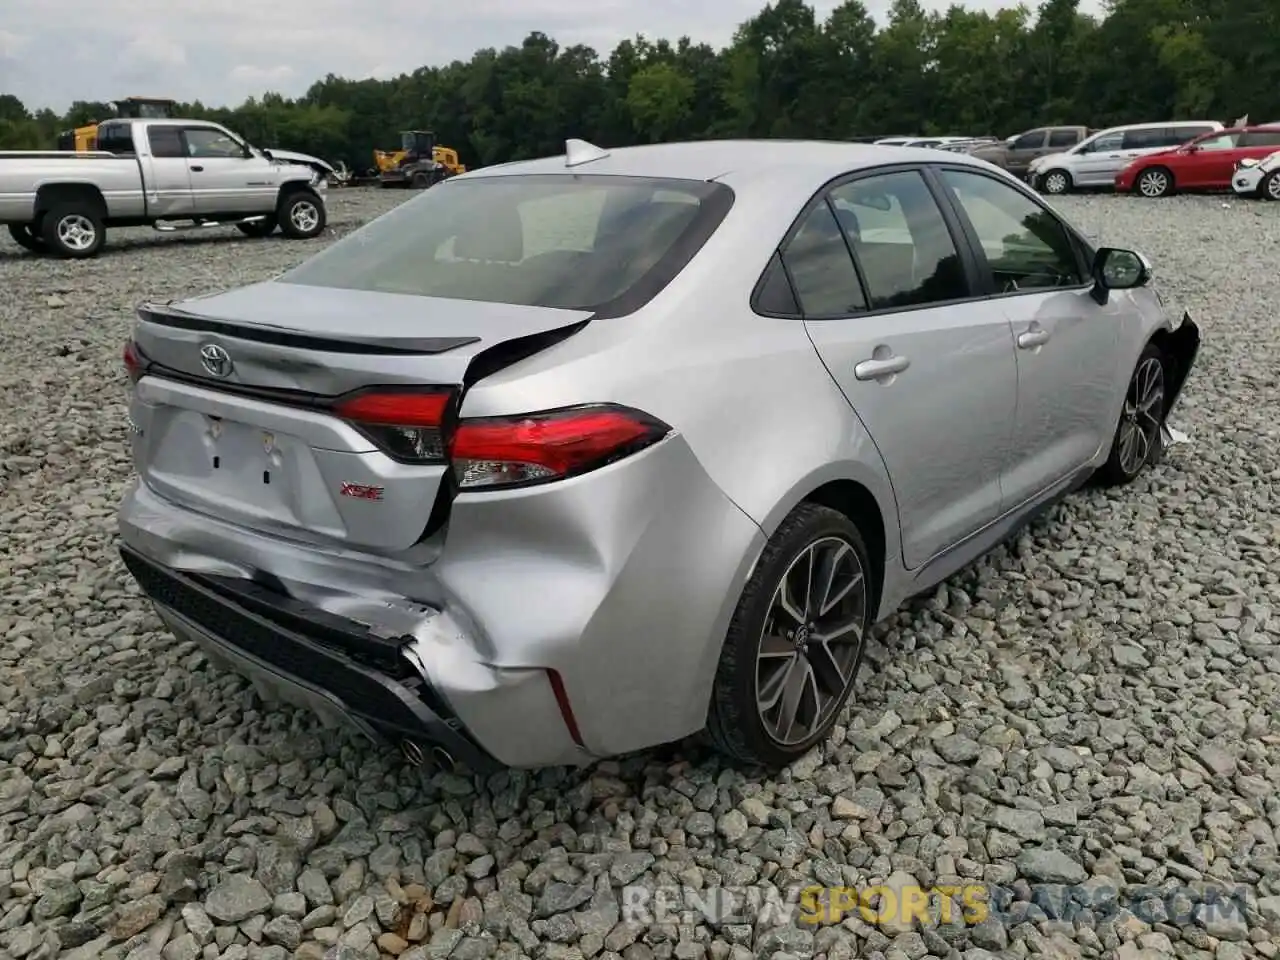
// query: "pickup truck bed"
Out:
[169,174]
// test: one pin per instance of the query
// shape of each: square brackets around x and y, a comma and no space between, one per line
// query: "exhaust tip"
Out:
[412,753]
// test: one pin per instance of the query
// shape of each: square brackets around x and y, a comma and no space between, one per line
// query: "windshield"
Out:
[575,242]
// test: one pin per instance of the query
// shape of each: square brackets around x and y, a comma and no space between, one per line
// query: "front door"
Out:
[1065,342]
[1208,162]
[1025,149]
[1100,161]
[933,383]
[223,179]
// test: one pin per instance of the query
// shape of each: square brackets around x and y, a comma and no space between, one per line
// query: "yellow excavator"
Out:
[418,163]
[85,138]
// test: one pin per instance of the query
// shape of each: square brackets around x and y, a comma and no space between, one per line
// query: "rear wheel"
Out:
[1155,182]
[420,181]
[258,228]
[301,215]
[73,230]
[795,643]
[1056,182]
[28,237]
[1138,441]
[1270,186]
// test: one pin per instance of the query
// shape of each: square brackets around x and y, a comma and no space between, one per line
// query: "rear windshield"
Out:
[576,242]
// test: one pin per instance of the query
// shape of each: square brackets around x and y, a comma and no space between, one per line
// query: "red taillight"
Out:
[133,361]
[536,448]
[407,424]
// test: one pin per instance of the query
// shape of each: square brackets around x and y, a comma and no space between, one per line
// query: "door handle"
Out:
[197,169]
[881,369]
[1033,338]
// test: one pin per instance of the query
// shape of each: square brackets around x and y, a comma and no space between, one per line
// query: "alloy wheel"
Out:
[1055,183]
[1140,422]
[1153,183]
[1272,186]
[77,232]
[304,215]
[811,640]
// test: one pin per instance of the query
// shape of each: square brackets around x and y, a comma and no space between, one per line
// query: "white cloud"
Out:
[221,52]
[268,78]
[11,44]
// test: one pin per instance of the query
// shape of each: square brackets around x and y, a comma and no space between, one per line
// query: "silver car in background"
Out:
[1096,161]
[571,457]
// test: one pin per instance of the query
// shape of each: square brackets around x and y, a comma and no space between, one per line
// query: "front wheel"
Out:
[1155,182]
[1270,186]
[28,237]
[1056,182]
[302,216]
[795,643]
[1138,441]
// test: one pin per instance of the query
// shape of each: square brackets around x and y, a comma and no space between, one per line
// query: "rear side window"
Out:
[819,262]
[166,142]
[573,242]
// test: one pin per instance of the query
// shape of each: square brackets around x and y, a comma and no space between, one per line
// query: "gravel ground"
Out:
[1095,706]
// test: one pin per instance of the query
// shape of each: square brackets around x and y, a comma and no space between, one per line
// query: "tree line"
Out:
[785,74]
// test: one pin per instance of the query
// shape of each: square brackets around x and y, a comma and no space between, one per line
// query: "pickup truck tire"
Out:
[258,228]
[27,237]
[73,230]
[301,215]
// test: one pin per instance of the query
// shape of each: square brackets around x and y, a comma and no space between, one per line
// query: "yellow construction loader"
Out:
[133,108]
[418,163]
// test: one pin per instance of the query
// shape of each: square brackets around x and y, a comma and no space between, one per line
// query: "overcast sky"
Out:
[221,51]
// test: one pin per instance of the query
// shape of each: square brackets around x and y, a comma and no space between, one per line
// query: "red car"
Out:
[1205,163]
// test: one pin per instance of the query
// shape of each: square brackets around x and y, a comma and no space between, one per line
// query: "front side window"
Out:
[1150,137]
[1026,247]
[900,240]
[1226,141]
[1029,141]
[206,143]
[1107,141]
[1063,138]
[574,242]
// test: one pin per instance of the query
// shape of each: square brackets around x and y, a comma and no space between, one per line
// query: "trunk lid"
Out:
[232,416]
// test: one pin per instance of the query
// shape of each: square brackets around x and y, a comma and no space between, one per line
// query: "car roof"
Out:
[810,160]
[1161,124]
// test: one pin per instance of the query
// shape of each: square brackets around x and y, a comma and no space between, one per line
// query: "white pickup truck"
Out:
[169,174]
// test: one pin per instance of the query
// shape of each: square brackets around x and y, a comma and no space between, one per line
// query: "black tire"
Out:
[258,228]
[1269,188]
[1154,182]
[1123,466]
[734,722]
[73,230]
[28,237]
[301,215]
[1055,182]
[420,181]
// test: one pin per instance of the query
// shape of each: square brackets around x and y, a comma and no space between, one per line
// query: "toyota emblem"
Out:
[215,360]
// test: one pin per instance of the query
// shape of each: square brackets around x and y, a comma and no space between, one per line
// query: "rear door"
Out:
[168,181]
[928,370]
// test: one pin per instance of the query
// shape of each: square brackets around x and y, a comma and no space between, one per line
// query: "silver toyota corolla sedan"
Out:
[572,457]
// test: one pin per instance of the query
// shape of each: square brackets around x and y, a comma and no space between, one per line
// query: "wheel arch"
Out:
[1180,346]
[51,194]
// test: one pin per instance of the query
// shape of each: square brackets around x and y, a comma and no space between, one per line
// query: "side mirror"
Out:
[267,153]
[1117,269]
